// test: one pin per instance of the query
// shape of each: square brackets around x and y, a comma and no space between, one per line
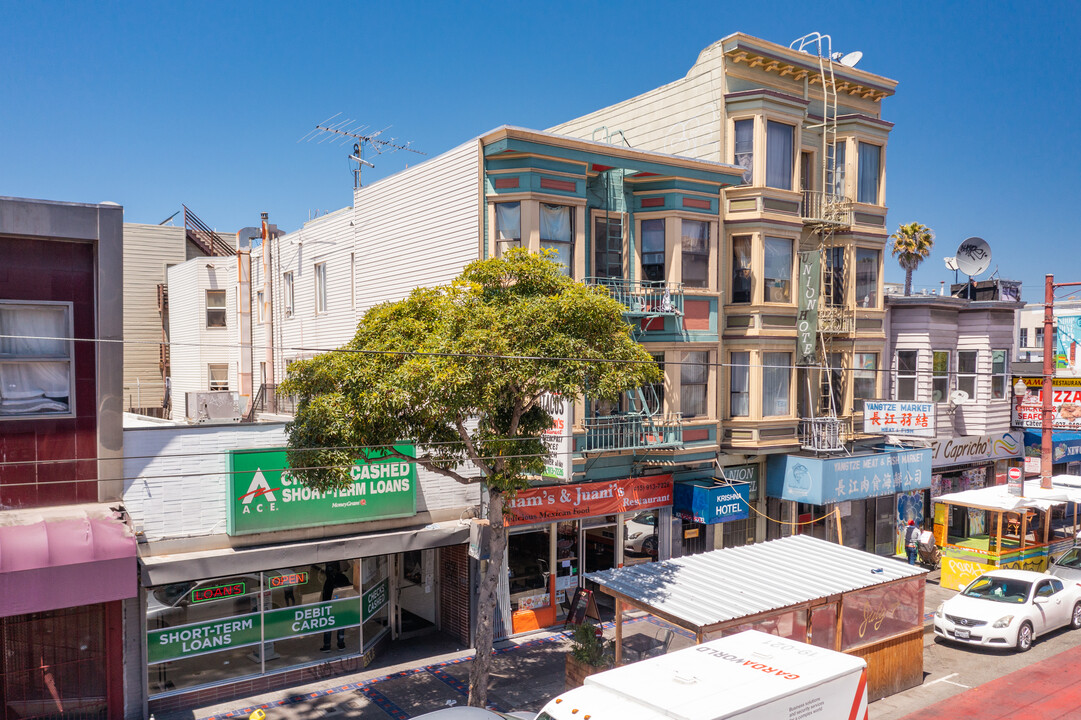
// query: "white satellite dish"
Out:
[852,58]
[951,263]
[959,397]
[973,256]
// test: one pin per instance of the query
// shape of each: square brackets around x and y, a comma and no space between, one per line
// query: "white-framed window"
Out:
[287,293]
[867,262]
[1000,366]
[215,309]
[777,275]
[694,247]
[870,167]
[904,386]
[940,375]
[739,384]
[260,301]
[218,376]
[1023,339]
[557,234]
[776,384]
[838,150]
[653,268]
[320,287]
[780,154]
[864,379]
[36,359]
[508,226]
[744,147]
[694,384]
[966,372]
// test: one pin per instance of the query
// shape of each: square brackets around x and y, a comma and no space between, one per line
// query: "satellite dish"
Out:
[951,264]
[959,397]
[852,58]
[973,256]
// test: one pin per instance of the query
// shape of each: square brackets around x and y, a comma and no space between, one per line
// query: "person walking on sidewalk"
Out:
[912,541]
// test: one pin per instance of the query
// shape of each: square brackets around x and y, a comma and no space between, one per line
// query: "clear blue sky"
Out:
[152,105]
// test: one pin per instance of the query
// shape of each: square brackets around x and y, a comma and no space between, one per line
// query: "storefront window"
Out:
[375,604]
[527,562]
[880,613]
[640,538]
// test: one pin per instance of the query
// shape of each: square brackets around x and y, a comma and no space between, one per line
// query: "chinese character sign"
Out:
[895,417]
[818,482]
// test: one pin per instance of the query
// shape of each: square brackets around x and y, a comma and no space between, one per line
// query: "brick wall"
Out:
[454,596]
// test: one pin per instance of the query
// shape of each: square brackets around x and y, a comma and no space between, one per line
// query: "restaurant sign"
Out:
[818,481]
[567,502]
[264,496]
[976,448]
[1065,404]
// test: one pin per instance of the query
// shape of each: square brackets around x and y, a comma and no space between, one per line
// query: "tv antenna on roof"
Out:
[342,131]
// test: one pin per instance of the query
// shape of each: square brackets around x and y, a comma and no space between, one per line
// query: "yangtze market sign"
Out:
[264,496]
[243,630]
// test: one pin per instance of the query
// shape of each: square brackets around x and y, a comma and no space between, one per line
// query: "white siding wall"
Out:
[147,250]
[176,478]
[194,346]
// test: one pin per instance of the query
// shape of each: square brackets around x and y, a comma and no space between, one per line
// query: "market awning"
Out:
[701,591]
[181,567]
[54,558]
[1065,446]
[998,498]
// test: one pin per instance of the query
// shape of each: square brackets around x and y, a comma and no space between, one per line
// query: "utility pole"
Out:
[1046,424]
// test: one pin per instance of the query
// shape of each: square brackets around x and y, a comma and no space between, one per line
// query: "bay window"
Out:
[864,379]
[508,226]
[940,375]
[744,148]
[608,247]
[870,161]
[905,375]
[557,235]
[999,374]
[867,278]
[833,276]
[742,285]
[837,186]
[35,359]
[739,384]
[778,270]
[966,372]
[694,245]
[694,382]
[780,144]
[776,383]
[653,250]
[215,309]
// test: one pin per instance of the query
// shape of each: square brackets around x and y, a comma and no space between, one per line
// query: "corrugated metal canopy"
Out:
[705,590]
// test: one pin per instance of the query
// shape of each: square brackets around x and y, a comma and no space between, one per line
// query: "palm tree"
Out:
[912,245]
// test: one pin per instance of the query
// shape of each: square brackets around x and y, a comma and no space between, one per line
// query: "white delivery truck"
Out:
[750,676]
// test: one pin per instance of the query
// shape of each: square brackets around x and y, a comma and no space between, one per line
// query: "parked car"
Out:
[640,535]
[463,712]
[1068,565]
[1009,608]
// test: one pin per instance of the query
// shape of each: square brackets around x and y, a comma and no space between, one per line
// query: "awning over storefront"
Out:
[181,567]
[52,558]
[819,481]
[998,497]
[1065,446]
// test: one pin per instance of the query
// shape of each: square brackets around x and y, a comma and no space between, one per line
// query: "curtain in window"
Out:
[29,385]
[870,157]
[693,378]
[839,168]
[775,383]
[866,278]
[556,234]
[741,269]
[508,221]
[778,269]
[740,385]
[695,245]
[780,139]
[744,147]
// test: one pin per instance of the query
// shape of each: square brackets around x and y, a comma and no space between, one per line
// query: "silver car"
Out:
[1068,565]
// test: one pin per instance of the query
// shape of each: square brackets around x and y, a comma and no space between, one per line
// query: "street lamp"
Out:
[1020,390]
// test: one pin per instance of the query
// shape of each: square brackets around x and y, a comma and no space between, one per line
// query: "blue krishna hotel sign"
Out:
[820,481]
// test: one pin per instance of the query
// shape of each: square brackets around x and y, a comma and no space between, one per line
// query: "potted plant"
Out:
[590,653]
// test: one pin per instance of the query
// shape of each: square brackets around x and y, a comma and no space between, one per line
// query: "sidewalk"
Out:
[411,679]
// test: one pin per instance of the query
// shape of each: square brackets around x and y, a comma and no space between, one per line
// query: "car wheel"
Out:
[1024,637]
[1075,619]
[649,547]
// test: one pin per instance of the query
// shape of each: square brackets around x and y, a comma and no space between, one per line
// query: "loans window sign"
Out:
[264,496]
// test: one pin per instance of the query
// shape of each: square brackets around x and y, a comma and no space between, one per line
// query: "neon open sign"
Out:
[288,580]
[217,592]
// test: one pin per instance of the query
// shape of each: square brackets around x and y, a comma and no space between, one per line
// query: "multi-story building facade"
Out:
[810,137]
[67,556]
[956,354]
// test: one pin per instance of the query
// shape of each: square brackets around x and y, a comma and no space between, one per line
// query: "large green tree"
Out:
[912,245]
[459,371]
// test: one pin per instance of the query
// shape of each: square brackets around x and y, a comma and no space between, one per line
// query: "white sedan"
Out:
[1009,608]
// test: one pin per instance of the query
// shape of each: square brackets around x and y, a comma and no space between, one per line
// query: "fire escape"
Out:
[826,212]
[638,423]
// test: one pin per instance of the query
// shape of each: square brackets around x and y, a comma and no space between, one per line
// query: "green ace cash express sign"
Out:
[263,495]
